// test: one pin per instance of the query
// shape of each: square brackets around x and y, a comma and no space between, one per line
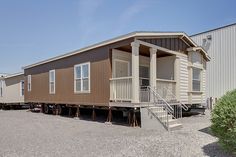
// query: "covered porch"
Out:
[142,64]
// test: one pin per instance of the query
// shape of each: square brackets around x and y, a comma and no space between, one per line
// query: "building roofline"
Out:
[14,75]
[110,41]
[232,24]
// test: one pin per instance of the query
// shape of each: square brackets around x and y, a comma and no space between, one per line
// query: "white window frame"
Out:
[21,93]
[52,81]
[124,61]
[200,88]
[29,83]
[81,85]
[1,88]
[195,65]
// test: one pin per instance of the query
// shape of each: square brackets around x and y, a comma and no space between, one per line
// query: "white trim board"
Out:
[52,81]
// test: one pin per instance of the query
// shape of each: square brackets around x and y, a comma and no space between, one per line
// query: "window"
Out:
[29,83]
[1,88]
[82,77]
[121,68]
[22,87]
[196,58]
[52,81]
[196,82]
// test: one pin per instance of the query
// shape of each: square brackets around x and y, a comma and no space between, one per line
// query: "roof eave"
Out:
[199,48]
[14,75]
[130,35]
[117,39]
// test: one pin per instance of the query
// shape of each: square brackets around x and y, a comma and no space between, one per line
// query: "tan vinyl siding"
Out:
[184,79]
[204,83]
[196,60]
[196,98]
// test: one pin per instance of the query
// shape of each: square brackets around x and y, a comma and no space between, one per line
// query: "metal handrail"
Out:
[185,107]
[166,112]
[157,95]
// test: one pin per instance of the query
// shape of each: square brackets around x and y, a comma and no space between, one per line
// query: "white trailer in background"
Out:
[220,44]
[12,90]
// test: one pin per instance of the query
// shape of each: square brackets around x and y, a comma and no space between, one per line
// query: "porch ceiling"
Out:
[143,50]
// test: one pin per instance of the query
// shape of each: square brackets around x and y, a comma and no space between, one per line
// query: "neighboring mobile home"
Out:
[12,90]
[136,72]
[220,45]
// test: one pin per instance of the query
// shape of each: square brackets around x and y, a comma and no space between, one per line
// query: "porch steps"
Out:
[175,127]
[160,113]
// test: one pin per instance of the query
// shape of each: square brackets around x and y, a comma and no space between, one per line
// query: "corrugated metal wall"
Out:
[221,70]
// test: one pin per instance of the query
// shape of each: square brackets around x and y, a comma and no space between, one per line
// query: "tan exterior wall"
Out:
[100,73]
[99,82]
[12,90]
[183,79]
[197,97]
[204,81]
[101,60]
[165,70]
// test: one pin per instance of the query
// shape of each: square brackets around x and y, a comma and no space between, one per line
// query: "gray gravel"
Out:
[35,134]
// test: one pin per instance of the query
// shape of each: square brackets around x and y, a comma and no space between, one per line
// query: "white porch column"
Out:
[153,70]
[153,67]
[135,72]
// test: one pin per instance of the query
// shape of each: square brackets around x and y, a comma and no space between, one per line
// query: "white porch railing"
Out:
[166,89]
[120,89]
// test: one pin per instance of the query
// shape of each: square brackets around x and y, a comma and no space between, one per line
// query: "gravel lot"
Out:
[35,134]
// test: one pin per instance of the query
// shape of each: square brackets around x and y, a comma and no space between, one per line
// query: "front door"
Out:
[144,83]
[144,76]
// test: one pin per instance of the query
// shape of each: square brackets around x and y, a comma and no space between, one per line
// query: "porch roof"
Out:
[201,50]
[136,34]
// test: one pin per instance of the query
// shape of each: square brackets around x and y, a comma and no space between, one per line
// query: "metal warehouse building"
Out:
[220,44]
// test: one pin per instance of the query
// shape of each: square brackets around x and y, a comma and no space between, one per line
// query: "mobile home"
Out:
[157,72]
[12,90]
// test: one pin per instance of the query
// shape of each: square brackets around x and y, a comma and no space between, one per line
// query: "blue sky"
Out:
[34,30]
